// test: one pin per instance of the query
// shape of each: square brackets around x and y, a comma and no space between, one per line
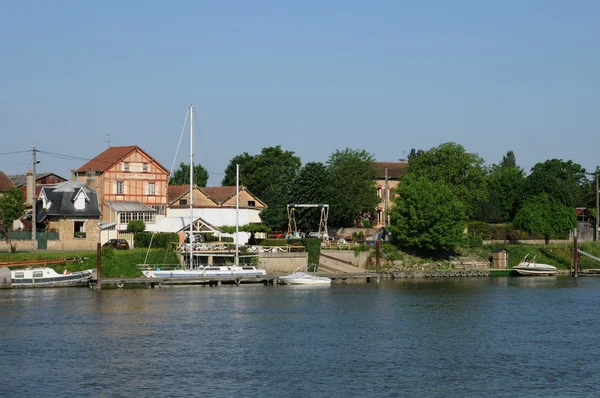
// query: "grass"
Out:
[115,263]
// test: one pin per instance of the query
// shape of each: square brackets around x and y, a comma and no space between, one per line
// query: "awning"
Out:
[130,207]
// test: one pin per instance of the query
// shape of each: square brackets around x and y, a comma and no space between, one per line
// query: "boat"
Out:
[304,278]
[530,267]
[199,271]
[47,277]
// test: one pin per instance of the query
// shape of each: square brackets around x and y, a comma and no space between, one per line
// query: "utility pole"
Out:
[387,198]
[597,203]
[34,245]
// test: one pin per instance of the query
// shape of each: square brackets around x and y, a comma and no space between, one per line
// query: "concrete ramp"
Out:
[335,266]
[588,254]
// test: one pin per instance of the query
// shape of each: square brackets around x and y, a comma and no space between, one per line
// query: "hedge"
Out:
[161,240]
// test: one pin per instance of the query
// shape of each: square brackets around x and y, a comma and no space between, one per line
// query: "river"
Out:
[468,337]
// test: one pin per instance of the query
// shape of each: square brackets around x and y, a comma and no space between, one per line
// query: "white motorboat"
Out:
[223,270]
[530,267]
[47,277]
[304,278]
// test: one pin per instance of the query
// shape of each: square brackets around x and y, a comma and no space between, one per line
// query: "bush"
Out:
[474,241]
[215,238]
[313,247]
[366,223]
[136,226]
[161,240]
[479,228]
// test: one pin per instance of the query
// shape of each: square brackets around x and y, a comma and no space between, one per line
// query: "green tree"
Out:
[350,189]
[461,171]
[11,209]
[561,181]
[308,187]
[542,215]
[269,175]
[245,161]
[135,226]
[427,215]
[181,176]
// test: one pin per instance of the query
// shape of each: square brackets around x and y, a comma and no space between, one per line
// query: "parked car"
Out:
[118,244]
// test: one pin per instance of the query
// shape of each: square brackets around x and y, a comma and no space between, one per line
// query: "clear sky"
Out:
[311,76]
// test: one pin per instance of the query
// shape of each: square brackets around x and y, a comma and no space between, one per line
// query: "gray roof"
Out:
[61,201]
[130,207]
[21,179]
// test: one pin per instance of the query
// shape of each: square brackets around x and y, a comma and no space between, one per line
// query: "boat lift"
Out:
[293,228]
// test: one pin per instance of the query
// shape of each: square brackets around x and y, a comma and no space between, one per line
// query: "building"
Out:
[386,186]
[5,183]
[71,210]
[131,185]
[27,183]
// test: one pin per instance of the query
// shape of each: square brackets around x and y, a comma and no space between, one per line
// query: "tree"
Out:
[11,209]
[427,215]
[505,185]
[135,226]
[561,181]
[308,187]
[268,175]
[244,160]
[461,171]
[542,215]
[350,187]
[181,176]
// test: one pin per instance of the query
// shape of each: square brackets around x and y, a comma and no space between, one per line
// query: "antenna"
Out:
[107,140]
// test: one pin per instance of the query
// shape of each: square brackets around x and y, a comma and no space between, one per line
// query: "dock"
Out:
[271,279]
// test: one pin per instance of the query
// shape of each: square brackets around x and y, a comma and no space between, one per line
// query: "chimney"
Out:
[30,187]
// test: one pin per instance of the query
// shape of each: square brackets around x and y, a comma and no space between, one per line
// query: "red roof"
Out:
[219,194]
[395,169]
[5,182]
[111,156]
[174,192]
[579,210]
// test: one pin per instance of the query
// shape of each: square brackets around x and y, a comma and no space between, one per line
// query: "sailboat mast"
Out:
[191,184]
[237,212]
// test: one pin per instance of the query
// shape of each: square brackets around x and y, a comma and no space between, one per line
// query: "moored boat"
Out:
[303,278]
[47,277]
[530,267]
[223,270]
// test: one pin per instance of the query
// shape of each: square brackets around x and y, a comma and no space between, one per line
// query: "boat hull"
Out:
[302,278]
[53,279]
[549,270]
[205,272]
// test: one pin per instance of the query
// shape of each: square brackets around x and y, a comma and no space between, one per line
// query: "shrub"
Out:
[274,242]
[366,223]
[161,240]
[474,241]
[479,228]
[135,226]
[313,247]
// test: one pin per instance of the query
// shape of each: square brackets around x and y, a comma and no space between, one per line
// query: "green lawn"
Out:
[115,263]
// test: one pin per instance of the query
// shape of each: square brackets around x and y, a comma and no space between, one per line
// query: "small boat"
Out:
[304,278]
[47,277]
[530,267]
[223,270]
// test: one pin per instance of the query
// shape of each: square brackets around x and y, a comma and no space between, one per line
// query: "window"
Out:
[19,275]
[147,218]
[183,202]
[79,229]
[126,166]
[379,192]
[151,190]
[379,217]
[120,187]
[251,203]
[145,167]
[38,274]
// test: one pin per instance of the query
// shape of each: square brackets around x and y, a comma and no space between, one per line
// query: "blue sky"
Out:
[311,76]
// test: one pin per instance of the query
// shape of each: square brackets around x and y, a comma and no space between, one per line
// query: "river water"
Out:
[475,337]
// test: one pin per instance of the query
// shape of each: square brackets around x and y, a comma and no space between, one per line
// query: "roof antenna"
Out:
[108,140]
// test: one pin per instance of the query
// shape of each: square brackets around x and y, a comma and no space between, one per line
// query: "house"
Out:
[71,210]
[5,183]
[215,206]
[131,185]
[26,182]
[387,179]
[586,223]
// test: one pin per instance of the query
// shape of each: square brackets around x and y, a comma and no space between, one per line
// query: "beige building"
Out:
[388,178]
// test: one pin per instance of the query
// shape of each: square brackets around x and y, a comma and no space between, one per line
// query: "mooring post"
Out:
[377,257]
[98,266]
[575,254]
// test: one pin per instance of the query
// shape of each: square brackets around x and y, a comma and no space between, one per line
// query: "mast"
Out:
[191,183]
[237,212]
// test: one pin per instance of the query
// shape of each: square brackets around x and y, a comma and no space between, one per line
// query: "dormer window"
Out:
[183,202]
[251,203]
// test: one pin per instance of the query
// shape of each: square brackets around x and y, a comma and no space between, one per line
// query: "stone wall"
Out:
[66,227]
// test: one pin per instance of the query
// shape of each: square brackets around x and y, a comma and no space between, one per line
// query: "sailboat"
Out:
[206,270]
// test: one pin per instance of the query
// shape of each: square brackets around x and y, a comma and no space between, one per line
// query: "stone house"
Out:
[71,210]
[386,186]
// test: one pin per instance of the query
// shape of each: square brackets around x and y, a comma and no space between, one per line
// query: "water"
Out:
[502,337]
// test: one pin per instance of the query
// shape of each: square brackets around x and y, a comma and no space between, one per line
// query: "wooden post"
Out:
[99,266]
[575,255]
[377,269]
